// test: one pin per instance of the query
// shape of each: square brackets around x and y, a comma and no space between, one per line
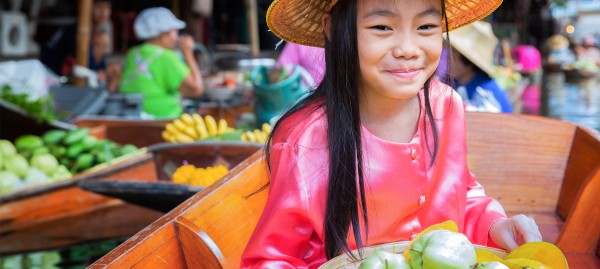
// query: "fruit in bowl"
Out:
[442,246]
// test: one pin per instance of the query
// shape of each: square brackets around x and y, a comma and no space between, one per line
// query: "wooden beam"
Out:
[251,13]
[84,29]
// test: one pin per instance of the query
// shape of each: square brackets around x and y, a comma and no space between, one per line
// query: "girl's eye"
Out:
[381,27]
[427,27]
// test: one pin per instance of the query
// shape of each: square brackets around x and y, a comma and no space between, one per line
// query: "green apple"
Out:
[489,265]
[442,249]
[384,260]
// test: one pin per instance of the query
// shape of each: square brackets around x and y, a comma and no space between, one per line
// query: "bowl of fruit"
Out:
[442,246]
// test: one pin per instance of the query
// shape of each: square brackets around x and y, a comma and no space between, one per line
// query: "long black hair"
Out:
[338,94]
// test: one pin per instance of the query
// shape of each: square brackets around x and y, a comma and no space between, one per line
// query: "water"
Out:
[573,100]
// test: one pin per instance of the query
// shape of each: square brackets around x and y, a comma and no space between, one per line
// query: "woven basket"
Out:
[345,262]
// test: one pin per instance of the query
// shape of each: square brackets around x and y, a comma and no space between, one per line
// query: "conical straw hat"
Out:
[299,21]
[477,43]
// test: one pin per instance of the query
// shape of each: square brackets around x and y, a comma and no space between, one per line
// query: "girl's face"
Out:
[399,45]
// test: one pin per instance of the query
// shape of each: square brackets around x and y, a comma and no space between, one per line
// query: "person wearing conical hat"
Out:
[559,51]
[377,152]
[473,67]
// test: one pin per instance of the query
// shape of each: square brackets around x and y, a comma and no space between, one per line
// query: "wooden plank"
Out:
[579,261]
[585,160]
[160,250]
[199,250]
[230,213]
[581,232]
[520,160]
[103,221]
[141,133]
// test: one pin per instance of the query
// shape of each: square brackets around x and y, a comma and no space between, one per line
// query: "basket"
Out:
[169,156]
[345,262]
[272,99]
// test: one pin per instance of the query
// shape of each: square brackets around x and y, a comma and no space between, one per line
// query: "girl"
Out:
[377,152]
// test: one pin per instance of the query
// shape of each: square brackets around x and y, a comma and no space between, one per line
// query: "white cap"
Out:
[153,21]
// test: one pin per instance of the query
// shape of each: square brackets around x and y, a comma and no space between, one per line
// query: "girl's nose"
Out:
[405,48]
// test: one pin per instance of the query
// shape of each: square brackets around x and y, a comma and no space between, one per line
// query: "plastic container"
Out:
[272,99]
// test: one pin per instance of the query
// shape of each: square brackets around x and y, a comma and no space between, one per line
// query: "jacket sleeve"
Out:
[480,213]
[281,237]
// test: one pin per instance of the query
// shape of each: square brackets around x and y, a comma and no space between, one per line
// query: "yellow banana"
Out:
[188,130]
[244,137]
[200,126]
[266,128]
[166,135]
[250,136]
[211,125]
[222,128]
[183,138]
[187,119]
[171,129]
[259,136]
[230,130]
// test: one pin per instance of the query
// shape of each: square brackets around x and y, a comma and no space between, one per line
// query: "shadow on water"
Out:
[573,100]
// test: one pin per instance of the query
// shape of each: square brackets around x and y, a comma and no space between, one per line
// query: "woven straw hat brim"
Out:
[299,21]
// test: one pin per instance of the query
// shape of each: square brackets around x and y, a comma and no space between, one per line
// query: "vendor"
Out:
[155,70]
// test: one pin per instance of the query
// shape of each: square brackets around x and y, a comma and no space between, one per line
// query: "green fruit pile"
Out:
[78,150]
[18,171]
[56,155]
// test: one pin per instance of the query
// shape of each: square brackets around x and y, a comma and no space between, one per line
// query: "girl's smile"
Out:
[405,74]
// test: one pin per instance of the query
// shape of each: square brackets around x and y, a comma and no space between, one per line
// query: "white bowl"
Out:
[220,94]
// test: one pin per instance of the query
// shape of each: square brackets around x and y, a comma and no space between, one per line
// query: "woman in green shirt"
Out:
[155,70]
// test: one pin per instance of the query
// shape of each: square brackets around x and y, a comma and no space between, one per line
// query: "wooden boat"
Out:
[61,214]
[141,133]
[542,167]
[162,194]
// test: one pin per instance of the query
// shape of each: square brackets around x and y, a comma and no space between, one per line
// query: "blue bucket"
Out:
[272,100]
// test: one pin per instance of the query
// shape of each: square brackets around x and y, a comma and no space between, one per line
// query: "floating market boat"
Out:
[162,194]
[545,168]
[69,212]
[61,214]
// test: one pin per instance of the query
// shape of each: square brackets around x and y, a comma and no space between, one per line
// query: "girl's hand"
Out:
[515,231]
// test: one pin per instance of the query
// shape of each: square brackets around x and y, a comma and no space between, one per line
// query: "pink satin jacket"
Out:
[403,195]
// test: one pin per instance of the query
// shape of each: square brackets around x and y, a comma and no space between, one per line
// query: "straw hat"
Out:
[558,42]
[477,43]
[299,21]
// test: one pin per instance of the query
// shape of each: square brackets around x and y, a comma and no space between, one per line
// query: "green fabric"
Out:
[161,88]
